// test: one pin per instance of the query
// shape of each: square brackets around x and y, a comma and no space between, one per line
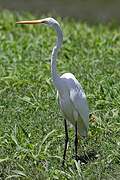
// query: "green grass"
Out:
[31,124]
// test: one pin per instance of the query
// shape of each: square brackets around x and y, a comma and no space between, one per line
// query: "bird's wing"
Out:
[79,101]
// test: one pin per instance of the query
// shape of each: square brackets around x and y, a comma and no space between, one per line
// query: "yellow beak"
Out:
[32,22]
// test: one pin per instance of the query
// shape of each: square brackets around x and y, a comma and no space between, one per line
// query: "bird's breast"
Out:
[66,106]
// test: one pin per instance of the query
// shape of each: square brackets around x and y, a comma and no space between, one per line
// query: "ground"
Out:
[31,124]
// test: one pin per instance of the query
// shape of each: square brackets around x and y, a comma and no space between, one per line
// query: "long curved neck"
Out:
[55,75]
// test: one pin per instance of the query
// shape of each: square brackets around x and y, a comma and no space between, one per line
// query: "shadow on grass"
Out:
[90,156]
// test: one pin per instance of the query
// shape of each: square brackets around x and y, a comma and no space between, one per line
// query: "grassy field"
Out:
[31,124]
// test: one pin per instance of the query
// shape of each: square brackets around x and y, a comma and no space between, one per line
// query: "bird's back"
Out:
[72,99]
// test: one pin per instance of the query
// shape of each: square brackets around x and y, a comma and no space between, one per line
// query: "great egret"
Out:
[70,94]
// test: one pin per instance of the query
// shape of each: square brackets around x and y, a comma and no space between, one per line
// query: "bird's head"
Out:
[47,21]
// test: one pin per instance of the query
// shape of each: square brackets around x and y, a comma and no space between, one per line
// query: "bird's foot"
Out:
[63,163]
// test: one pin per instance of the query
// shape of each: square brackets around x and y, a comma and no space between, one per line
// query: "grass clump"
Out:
[31,125]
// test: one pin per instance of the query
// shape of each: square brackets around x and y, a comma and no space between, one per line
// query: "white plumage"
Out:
[73,102]
[70,94]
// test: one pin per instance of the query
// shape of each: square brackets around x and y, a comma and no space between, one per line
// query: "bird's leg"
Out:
[66,141]
[76,141]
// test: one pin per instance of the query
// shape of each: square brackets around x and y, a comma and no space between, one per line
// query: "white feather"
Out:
[73,102]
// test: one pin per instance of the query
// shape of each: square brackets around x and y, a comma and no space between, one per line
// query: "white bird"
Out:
[71,97]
